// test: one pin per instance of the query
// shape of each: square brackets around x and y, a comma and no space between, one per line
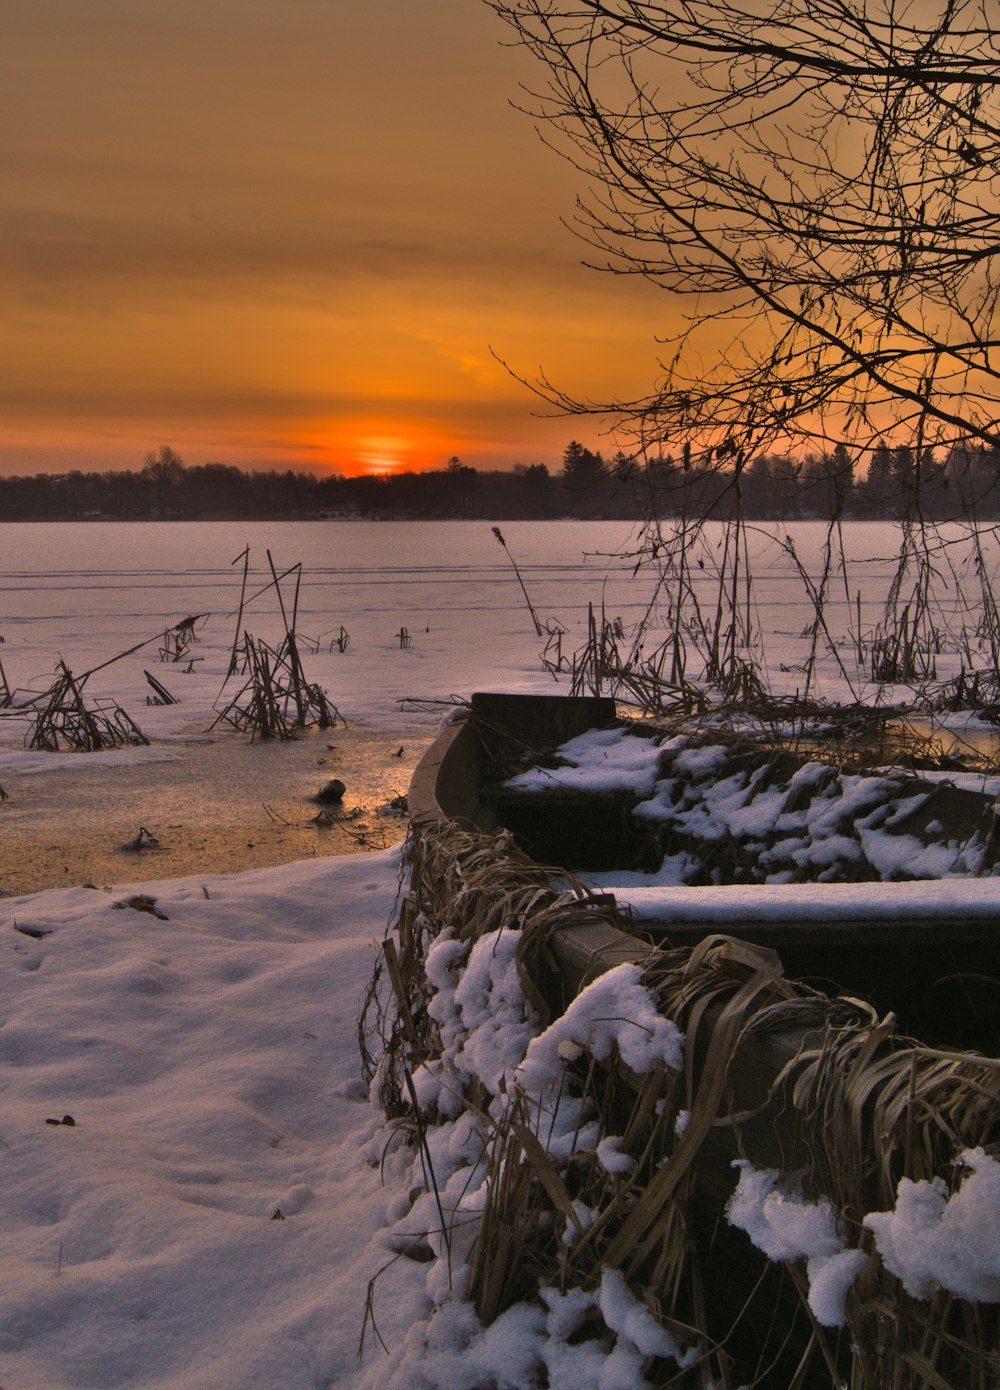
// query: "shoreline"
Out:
[214,805]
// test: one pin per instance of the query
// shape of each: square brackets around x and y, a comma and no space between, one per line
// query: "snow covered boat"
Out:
[880,884]
[866,1160]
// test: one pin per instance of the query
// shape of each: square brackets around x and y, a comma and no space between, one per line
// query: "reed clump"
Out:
[64,719]
[275,699]
[698,642]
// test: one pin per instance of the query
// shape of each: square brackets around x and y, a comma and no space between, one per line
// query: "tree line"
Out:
[895,481]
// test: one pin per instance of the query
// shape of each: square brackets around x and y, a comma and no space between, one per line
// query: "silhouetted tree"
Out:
[164,469]
[821,177]
[581,468]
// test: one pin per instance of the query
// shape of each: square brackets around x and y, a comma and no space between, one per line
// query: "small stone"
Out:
[331,792]
[418,1250]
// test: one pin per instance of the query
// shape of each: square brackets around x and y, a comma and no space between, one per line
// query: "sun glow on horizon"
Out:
[381,455]
[381,448]
[307,271]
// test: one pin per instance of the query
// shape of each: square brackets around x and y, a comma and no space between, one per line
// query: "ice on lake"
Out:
[85,592]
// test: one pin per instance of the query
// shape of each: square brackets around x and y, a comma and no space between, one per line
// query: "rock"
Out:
[330,792]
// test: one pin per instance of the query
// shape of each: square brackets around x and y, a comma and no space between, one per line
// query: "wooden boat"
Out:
[931,954]
[789,1079]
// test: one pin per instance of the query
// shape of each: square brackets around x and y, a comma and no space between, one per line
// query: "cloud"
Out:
[264,213]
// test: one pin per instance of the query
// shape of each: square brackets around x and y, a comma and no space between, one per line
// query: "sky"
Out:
[290,233]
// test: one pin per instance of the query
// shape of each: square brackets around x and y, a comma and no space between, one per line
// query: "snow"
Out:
[785,1226]
[610,1156]
[602,760]
[931,1240]
[615,1013]
[209,1064]
[484,1018]
[820,823]
[225,1192]
[715,906]
[528,1342]
[485,1023]
[934,1240]
[639,1335]
[208,1061]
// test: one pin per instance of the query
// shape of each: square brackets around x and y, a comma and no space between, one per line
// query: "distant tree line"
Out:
[894,481]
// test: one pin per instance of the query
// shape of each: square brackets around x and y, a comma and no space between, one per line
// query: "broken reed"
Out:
[161,695]
[539,629]
[850,1105]
[64,719]
[276,700]
[178,640]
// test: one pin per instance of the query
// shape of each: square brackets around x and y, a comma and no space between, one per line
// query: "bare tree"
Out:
[819,179]
[163,466]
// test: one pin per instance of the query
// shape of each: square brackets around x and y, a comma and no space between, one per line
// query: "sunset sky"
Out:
[288,233]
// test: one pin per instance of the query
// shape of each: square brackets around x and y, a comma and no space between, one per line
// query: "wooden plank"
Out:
[849,931]
[582,953]
[774,1138]
[445,783]
[542,720]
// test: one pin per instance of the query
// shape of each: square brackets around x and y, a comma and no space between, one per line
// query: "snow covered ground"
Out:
[87,591]
[197,1191]
[194,1196]
[207,1059]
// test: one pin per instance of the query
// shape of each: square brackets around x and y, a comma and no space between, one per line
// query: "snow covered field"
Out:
[207,1058]
[205,1049]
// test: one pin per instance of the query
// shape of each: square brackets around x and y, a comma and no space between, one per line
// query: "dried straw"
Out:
[842,1098]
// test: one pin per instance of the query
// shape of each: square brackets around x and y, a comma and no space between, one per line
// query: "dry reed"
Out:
[845,1100]
[63,719]
[276,700]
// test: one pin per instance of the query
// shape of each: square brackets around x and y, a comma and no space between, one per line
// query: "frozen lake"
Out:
[88,590]
[85,592]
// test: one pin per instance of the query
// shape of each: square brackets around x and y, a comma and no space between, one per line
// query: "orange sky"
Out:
[288,232]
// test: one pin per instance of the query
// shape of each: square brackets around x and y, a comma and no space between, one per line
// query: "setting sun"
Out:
[381,456]
[308,262]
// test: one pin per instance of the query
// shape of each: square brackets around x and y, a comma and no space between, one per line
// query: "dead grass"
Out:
[846,1102]
[63,719]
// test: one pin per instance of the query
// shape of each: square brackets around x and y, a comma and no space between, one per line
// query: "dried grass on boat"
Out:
[846,1101]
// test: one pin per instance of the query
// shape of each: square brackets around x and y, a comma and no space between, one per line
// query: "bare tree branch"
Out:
[820,178]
